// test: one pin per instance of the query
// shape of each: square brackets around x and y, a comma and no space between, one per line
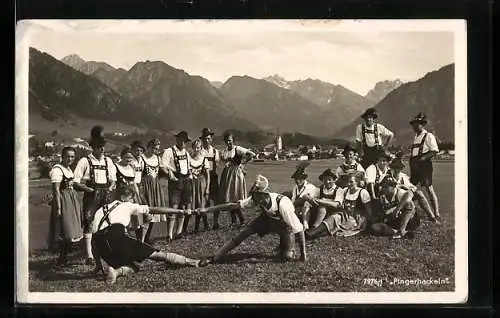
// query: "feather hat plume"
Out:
[300,170]
[97,137]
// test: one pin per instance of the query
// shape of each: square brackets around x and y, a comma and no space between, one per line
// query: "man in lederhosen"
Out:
[176,162]
[370,136]
[424,148]
[95,175]
[116,252]
[213,157]
[278,216]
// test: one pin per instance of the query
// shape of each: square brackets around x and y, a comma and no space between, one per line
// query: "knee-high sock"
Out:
[180,224]
[434,200]
[172,258]
[247,231]
[422,200]
[88,244]
[406,216]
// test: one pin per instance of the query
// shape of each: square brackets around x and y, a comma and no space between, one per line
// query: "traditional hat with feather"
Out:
[300,171]
[96,137]
[260,184]
[420,118]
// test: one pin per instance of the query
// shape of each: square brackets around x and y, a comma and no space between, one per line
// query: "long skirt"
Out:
[198,187]
[344,224]
[68,226]
[154,196]
[232,184]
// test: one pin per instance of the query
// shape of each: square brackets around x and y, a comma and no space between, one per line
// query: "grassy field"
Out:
[334,264]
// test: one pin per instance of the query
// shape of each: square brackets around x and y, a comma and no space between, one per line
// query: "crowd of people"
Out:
[370,195]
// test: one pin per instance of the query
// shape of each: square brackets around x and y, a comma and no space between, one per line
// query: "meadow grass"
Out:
[334,264]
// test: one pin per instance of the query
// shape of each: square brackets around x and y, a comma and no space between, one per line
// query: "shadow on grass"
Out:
[252,258]
[46,270]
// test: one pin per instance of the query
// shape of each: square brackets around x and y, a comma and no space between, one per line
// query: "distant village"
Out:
[43,154]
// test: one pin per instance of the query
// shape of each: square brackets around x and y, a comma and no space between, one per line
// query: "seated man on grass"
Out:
[115,251]
[278,216]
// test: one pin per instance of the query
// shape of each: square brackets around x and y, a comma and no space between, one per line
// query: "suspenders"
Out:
[275,215]
[177,158]
[375,132]
[93,167]
[420,146]
[106,212]
[212,159]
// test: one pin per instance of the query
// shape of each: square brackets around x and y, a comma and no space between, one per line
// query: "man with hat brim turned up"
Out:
[302,192]
[398,217]
[176,161]
[349,165]
[278,216]
[424,148]
[95,175]
[369,137]
[329,198]
[212,155]
[115,251]
[138,164]
[396,168]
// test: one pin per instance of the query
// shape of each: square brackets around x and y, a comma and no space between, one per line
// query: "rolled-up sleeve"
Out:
[359,136]
[141,209]
[287,213]
[112,170]
[432,143]
[80,169]
[385,132]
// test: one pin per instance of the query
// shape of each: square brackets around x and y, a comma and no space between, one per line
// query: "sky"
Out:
[356,58]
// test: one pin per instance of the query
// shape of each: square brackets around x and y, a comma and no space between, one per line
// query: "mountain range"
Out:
[151,94]
[155,95]
[433,95]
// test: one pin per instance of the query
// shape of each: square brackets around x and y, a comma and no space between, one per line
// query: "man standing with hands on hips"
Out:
[370,136]
[424,148]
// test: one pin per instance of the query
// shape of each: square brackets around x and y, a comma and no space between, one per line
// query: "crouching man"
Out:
[278,216]
[115,251]
[398,217]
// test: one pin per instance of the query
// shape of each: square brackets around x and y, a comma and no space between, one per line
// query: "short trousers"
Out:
[421,172]
[180,191]
[117,249]
[91,202]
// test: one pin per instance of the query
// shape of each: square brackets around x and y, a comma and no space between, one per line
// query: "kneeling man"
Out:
[398,215]
[115,251]
[278,216]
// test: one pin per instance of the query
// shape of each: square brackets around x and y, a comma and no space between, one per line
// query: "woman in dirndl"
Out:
[232,181]
[200,185]
[65,221]
[354,216]
[153,194]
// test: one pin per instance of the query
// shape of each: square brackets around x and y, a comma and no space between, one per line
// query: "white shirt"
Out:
[340,171]
[286,211]
[363,193]
[396,198]
[339,196]
[229,154]
[307,188]
[58,171]
[119,215]
[82,170]
[430,143]
[371,173]
[211,152]
[138,164]
[370,137]
[168,160]
[404,180]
